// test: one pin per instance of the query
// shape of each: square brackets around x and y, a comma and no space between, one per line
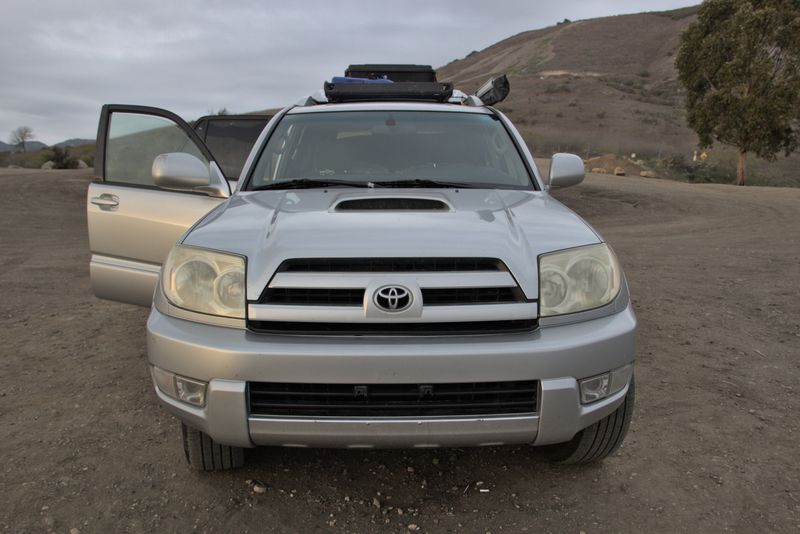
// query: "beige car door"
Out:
[132,223]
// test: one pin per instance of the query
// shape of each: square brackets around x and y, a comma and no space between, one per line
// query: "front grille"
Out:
[355,297]
[389,265]
[313,296]
[303,292]
[395,329]
[452,296]
[393,400]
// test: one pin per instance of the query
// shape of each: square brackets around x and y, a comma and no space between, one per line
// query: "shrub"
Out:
[62,160]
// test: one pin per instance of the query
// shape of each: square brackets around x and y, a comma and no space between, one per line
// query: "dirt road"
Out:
[715,277]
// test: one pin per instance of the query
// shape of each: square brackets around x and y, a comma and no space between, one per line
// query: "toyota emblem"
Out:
[392,298]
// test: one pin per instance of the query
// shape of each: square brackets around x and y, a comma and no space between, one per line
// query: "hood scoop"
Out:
[394,203]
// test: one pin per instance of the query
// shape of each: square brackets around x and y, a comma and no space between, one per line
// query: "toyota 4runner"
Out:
[387,270]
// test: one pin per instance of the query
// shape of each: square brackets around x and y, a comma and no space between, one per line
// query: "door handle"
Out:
[105,201]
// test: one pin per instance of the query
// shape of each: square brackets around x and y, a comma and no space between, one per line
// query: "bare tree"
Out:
[21,135]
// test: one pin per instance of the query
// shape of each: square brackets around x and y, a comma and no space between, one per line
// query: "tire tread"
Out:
[204,454]
[599,440]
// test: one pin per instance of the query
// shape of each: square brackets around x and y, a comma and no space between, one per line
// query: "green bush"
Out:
[698,172]
[61,158]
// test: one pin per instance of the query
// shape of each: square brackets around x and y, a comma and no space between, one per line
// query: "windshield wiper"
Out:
[420,182]
[308,183]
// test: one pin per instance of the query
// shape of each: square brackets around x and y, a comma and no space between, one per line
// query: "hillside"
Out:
[30,146]
[600,85]
[606,85]
[33,146]
[74,142]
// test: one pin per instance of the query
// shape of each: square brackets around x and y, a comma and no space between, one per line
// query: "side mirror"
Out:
[179,171]
[566,170]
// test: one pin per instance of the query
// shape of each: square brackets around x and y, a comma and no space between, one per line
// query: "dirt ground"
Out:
[715,277]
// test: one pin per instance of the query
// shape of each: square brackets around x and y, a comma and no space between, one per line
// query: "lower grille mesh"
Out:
[392,400]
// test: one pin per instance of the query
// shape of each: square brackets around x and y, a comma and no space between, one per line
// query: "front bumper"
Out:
[228,358]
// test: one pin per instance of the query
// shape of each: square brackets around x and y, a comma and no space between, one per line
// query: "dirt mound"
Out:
[613,164]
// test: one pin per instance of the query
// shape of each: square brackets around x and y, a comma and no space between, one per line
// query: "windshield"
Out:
[379,148]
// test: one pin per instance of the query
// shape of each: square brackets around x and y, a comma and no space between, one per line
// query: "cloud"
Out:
[63,60]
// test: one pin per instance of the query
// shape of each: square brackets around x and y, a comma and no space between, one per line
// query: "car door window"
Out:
[134,140]
[230,141]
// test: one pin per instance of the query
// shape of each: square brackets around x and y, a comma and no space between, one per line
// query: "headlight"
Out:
[205,281]
[577,279]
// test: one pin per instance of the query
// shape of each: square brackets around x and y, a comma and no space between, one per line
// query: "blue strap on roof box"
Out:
[396,73]
[350,79]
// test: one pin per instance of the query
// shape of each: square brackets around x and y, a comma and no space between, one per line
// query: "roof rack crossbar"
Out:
[426,91]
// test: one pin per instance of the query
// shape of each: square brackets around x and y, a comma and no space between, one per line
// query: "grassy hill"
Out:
[606,85]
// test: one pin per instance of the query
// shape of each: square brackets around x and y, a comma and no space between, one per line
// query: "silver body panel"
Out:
[207,352]
[557,356]
[269,227]
[394,432]
[129,241]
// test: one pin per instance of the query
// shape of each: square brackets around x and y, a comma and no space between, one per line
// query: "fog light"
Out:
[165,381]
[191,391]
[595,388]
[601,386]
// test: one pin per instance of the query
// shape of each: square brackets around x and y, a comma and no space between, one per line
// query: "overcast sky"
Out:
[61,60]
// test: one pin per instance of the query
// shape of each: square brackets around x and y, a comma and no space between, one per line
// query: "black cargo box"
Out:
[396,73]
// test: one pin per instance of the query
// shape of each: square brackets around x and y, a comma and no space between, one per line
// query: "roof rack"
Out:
[396,73]
[384,82]
[427,91]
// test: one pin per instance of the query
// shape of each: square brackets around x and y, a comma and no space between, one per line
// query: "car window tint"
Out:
[392,145]
[134,141]
[230,141]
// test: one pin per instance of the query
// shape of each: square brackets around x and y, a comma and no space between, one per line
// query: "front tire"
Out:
[597,441]
[204,454]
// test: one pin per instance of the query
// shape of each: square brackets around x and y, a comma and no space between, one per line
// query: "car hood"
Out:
[269,227]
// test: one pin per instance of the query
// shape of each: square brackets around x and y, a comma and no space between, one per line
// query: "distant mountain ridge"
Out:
[74,142]
[32,146]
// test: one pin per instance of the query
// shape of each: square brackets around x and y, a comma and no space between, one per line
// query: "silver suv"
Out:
[388,270]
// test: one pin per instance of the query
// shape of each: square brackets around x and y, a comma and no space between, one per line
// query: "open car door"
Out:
[133,224]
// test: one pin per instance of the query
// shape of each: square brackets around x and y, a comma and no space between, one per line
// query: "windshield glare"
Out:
[385,146]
